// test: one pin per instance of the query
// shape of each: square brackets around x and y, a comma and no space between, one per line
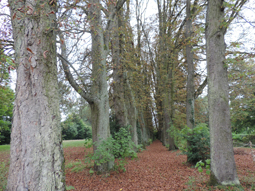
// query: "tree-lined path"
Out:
[155,169]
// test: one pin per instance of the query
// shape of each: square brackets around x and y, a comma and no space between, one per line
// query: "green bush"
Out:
[237,137]
[118,146]
[249,138]
[198,143]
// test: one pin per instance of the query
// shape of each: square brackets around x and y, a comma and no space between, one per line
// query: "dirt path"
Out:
[155,169]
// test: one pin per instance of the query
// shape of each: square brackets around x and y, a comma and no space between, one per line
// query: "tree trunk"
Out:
[118,72]
[100,105]
[190,114]
[223,168]
[37,161]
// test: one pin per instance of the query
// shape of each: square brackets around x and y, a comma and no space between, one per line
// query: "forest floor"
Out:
[156,168]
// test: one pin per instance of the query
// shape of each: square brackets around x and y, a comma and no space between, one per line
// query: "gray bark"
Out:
[190,114]
[36,161]
[100,107]
[223,168]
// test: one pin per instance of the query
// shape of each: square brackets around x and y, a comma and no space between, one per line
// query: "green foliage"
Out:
[75,128]
[198,141]
[119,146]
[6,106]
[124,146]
[249,138]
[201,164]
[237,137]
[179,139]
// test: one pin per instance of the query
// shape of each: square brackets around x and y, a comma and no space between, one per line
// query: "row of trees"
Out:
[147,84]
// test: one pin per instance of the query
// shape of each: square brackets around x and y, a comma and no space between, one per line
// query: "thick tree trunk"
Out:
[190,110]
[37,161]
[100,105]
[190,100]
[118,73]
[223,168]
[131,110]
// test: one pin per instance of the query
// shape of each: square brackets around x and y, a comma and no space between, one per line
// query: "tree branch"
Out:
[200,89]
[72,82]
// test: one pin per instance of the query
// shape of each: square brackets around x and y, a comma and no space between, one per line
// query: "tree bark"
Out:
[118,72]
[100,107]
[190,110]
[37,161]
[223,167]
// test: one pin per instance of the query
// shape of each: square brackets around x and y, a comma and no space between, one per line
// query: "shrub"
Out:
[249,138]
[119,146]
[237,137]
[198,147]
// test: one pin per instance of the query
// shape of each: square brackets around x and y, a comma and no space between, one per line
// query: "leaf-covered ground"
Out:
[156,168]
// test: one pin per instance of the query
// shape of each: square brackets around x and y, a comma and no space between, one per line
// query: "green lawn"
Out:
[73,143]
[67,143]
[4,148]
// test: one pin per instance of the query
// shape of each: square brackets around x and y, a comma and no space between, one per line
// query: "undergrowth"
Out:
[77,166]
[120,146]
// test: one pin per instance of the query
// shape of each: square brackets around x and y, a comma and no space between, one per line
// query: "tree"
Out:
[97,93]
[37,161]
[6,106]
[75,128]
[223,168]
[6,98]
[242,93]
[123,99]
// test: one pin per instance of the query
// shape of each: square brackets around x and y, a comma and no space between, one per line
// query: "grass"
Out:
[3,175]
[70,188]
[73,143]
[67,143]
[4,148]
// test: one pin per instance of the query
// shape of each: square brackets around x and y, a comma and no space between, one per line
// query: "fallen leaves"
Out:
[155,169]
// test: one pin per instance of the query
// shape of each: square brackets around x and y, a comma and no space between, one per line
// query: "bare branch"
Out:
[200,89]
[72,82]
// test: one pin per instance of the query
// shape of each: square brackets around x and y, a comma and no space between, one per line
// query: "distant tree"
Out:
[75,128]
[242,93]
[6,98]
[6,107]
